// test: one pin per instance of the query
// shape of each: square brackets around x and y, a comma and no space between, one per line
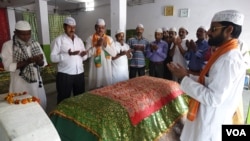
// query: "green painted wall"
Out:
[46,50]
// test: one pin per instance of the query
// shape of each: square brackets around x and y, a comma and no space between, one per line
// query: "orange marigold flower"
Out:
[24,101]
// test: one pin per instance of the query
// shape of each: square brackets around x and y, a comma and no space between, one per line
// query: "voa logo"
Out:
[236,132]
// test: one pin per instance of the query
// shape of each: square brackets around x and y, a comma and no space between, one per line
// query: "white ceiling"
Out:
[15,3]
[62,4]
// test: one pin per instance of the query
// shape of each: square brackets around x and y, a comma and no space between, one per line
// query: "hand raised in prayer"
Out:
[74,52]
[34,59]
[138,47]
[153,47]
[104,42]
[192,45]
[38,59]
[128,53]
[101,42]
[30,60]
[83,53]
[177,41]
[177,70]
[122,52]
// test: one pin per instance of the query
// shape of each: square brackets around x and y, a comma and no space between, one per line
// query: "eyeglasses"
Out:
[213,29]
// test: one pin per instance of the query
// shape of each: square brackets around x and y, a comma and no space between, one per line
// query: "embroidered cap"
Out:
[158,30]
[22,25]
[70,21]
[229,16]
[119,31]
[100,22]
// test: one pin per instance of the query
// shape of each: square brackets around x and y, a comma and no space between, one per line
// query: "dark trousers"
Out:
[65,84]
[156,69]
[168,75]
[133,71]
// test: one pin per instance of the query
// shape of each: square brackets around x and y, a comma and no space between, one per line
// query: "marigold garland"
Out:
[10,98]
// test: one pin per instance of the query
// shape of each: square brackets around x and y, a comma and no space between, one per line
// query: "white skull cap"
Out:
[183,28]
[100,22]
[172,29]
[70,21]
[229,16]
[119,31]
[140,25]
[164,29]
[22,25]
[158,30]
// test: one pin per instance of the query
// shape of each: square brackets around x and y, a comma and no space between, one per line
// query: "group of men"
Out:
[22,56]
[215,90]
[105,56]
[172,46]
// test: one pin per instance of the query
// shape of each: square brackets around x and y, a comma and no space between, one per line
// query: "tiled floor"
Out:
[50,89]
[51,96]
[246,101]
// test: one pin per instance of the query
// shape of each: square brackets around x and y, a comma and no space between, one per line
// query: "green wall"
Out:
[46,50]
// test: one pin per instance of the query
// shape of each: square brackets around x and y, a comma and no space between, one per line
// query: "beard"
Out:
[216,41]
[139,33]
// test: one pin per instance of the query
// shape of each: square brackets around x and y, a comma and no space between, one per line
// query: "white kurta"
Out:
[178,57]
[120,65]
[101,76]
[68,64]
[218,99]
[17,83]
[245,52]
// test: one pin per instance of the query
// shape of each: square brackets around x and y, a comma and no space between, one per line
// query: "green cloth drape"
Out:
[78,117]
[55,29]
[31,18]
[248,115]
[55,24]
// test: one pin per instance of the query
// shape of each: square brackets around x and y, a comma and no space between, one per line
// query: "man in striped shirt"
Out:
[138,47]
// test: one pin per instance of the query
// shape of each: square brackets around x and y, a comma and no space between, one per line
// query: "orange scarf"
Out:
[194,104]
[99,49]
